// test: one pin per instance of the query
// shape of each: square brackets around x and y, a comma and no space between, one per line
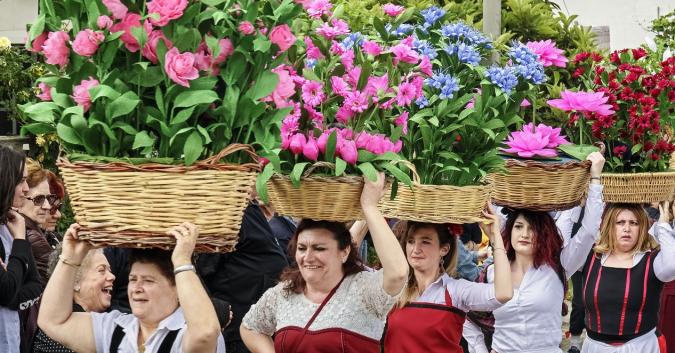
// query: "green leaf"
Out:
[330,147]
[36,29]
[264,86]
[296,174]
[261,182]
[192,98]
[262,44]
[397,173]
[635,149]
[213,2]
[61,99]
[37,128]
[579,152]
[68,134]
[142,140]
[128,129]
[99,91]
[159,99]
[182,116]
[123,105]
[340,166]
[368,170]
[193,147]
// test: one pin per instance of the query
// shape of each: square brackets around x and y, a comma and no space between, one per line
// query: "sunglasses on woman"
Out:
[39,200]
[55,207]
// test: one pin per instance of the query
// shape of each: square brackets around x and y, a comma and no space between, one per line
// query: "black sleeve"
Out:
[12,279]
[32,289]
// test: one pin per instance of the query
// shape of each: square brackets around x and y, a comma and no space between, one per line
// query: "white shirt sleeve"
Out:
[103,325]
[474,337]
[575,252]
[664,263]
[262,316]
[473,296]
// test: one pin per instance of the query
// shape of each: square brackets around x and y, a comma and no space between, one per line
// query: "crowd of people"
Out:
[305,286]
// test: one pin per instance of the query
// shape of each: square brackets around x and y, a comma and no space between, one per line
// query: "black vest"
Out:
[620,303]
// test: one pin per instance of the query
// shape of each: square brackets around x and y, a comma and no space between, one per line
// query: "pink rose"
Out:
[392,10]
[129,21]
[104,22]
[116,8]
[149,50]
[282,37]
[55,49]
[203,57]
[167,10]
[45,92]
[246,28]
[86,42]
[81,92]
[284,90]
[226,49]
[38,42]
[180,67]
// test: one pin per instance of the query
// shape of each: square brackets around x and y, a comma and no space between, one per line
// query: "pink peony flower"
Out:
[311,149]
[318,8]
[339,86]
[357,102]
[371,48]
[81,92]
[549,55]
[180,67]
[313,52]
[528,144]
[392,10]
[348,152]
[297,143]
[246,28]
[104,22]
[312,93]
[347,59]
[402,120]
[376,85]
[405,54]
[425,66]
[282,37]
[149,50]
[116,8]
[407,92]
[167,10]
[339,27]
[55,49]
[45,92]
[86,42]
[203,57]
[591,102]
[284,90]
[38,42]
[226,50]
[129,21]
[353,76]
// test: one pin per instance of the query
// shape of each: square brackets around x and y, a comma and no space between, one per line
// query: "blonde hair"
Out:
[406,229]
[36,174]
[607,241]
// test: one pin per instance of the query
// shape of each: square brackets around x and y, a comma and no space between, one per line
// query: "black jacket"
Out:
[242,276]
[20,283]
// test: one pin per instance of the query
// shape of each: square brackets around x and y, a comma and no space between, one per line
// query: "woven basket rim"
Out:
[359,179]
[622,175]
[553,166]
[211,163]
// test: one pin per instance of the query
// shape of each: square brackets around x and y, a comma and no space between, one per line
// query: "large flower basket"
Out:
[328,198]
[438,203]
[126,205]
[638,187]
[540,186]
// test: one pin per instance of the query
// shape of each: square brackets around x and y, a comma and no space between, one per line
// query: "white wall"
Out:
[628,20]
[14,16]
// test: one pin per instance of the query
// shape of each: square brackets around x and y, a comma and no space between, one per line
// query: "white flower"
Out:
[5,43]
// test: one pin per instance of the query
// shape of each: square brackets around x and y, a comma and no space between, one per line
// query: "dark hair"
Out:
[296,284]
[546,241]
[12,164]
[159,258]
[56,185]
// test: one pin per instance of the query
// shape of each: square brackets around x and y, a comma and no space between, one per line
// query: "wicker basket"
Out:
[638,187]
[125,205]
[541,186]
[672,161]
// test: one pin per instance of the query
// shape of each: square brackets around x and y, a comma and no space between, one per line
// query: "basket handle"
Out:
[230,149]
[416,176]
[316,165]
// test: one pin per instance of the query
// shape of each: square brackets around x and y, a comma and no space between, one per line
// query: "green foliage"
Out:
[18,71]
[664,28]
[360,13]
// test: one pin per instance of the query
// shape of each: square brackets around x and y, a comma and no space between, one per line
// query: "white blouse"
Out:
[359,305]
[465,295]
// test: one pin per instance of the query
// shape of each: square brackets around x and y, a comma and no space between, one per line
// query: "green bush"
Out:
[664,28]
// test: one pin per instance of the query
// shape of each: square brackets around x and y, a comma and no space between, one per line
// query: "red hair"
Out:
[56,185]
[546,242]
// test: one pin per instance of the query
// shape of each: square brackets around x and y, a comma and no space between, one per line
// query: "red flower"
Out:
[596,57]
[620,150]
[639,53]
[578,72]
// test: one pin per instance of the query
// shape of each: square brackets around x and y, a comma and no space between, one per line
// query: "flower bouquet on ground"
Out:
[155,105]
[465,111]
[347,101]
[629,108]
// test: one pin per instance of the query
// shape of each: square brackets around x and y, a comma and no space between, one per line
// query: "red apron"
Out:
[294,339]
[424,327]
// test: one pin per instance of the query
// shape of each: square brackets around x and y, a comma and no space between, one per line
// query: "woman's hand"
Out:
[665,212]
[372,191]
[186,238]
[492,227]
[16,224]
[74,248]
[597,163]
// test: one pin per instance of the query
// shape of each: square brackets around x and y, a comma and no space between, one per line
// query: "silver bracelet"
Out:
[184,268]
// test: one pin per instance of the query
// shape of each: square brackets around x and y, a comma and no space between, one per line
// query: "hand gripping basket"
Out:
[126,205]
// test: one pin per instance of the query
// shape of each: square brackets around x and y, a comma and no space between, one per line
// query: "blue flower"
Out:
[533,72]
[403,29]
[351,40]
[467,54]
[310,63]
[422,102]
[423,47]
[503,77]
[431,15]
[447,84]
[460,32]
[521,54]
[527,63]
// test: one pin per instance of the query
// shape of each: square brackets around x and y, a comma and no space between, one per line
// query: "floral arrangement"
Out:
[626,106]
[535,141]
[171,79]
[467,108]
[17,73]
[349,100]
